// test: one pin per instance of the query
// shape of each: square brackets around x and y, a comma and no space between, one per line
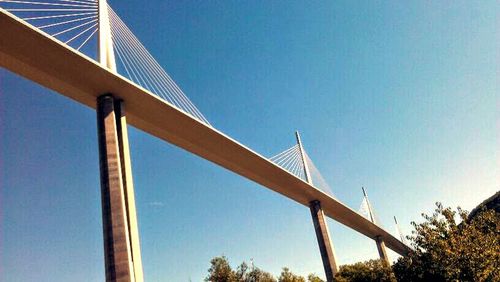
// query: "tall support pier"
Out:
[322,235]
[122,254]
[378,240]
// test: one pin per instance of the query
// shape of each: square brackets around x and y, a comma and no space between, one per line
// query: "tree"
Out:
[372,270]
[258,275]
[448,246]
[288,276]
[241,273]
[313,278]
[444,250]
[254,275]
[220,271]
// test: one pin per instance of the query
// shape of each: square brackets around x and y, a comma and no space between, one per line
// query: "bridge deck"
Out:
[36,56]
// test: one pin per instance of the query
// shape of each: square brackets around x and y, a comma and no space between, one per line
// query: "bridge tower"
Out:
[322,235]
[399,231]
[378,240]
[122,254]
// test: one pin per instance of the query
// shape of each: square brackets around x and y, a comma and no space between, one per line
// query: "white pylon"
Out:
[107,60]
[105,41]
[307,173]
[320,225]
[370,211]
[399,231]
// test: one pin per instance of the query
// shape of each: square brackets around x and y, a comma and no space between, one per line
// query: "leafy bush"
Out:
[372,270]
[448,246]
[447,251]
[221,271]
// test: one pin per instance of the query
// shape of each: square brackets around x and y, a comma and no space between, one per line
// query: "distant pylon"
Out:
[320,227]
[399,231]
[369,206]
[378,240]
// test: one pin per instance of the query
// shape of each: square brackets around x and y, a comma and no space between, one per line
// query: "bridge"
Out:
[144,96]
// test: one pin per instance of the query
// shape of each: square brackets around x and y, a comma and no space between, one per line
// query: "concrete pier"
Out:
[324,242]
[117,247]
[382,251]
[378,240]
[322,234]
[128,186]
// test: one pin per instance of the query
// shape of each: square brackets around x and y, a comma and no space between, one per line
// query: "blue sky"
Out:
[398,97]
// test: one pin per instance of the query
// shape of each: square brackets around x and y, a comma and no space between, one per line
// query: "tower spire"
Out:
[320,227]
[105,41]
[307,173]
[399,230]
[370,211]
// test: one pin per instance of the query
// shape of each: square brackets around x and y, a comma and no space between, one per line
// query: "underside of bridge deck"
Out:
[68,72]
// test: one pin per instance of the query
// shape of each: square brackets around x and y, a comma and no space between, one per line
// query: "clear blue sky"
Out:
[401,97]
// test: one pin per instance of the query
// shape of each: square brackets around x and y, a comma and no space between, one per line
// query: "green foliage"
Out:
[443,250]
[288,276]
[254,275]
[221,271]
[372,270]
[313,278]
[257,275]
[447,251]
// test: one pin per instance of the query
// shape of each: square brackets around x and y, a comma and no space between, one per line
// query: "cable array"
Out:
[140,67]
[366,210]
[73,22]
[317,179]
[291,161]
[400,232]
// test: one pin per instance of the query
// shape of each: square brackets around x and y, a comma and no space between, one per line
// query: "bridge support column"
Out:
[121,236]
[382,251]
[128,185]
[324,242]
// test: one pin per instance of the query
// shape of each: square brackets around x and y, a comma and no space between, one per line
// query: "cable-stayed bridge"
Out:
[51,43]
